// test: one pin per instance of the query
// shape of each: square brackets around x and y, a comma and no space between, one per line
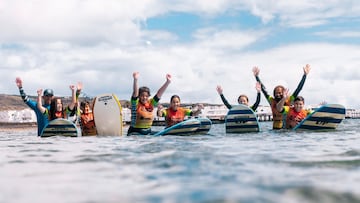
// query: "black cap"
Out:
[48,92]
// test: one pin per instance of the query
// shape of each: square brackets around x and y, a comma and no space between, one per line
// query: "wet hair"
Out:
[173,97]
[83,104]
[299,98]
[53,107]
[144,89]
[279,86]
[243,95]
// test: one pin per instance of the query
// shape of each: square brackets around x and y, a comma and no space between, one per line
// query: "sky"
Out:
[202,44]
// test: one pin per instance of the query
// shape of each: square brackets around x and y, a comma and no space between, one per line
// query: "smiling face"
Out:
[144,94]
[243,100]
[143,97]
[299,103]
[278,93]
[175,103]
[59,105]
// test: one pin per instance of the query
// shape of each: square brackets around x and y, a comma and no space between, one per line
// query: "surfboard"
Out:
[107,115]
[60,127]
[185,127]
[327,117]
[205,125]
[241,119]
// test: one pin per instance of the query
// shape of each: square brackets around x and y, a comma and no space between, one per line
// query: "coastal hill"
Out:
[15,102]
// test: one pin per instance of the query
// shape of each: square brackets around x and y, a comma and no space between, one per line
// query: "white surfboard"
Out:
[327,117]
[183,128]
[241,119]
[60,127]
[107,115]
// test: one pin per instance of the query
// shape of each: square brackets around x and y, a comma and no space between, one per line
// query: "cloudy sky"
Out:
[202,44]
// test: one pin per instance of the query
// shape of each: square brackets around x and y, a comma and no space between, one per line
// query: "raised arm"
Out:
[162,89]
[258,96]
[39,101]
[280,104]
[301,84]
[256,72]
[73,97]
[78,90]
[19,84]
[135,93]
[220,92]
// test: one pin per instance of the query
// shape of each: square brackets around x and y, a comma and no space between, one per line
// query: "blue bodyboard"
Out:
[184,127]
[327,117]
[60,127]
[241,119]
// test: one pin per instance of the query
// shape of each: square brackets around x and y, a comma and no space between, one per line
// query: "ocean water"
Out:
[270,166]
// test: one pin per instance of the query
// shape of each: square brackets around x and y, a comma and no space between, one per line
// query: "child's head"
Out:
[144,94]
[56,104]
[56,109]
[279,92]
[299,103]
[243,99]
[85,106]
[174,102]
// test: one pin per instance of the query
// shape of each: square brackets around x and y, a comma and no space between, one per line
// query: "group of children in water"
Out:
[282,103]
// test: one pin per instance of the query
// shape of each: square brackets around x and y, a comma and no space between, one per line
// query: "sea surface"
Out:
[270,166]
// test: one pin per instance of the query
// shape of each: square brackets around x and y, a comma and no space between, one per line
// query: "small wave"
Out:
[329,164]
[310,194]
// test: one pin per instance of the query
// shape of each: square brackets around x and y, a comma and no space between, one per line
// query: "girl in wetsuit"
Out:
[242,99]
[57,109]
[175,113]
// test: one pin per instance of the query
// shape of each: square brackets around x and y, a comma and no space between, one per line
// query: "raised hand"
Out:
[219,89]
[256,71]
[307,69]
[18,82]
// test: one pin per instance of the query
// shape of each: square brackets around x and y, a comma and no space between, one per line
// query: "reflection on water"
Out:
[270,166]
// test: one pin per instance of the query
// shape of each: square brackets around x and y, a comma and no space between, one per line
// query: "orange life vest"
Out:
[88,124]
[293,117]
[278,117]
[173,117]
[144,115]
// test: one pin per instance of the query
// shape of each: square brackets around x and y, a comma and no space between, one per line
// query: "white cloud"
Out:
[101,43]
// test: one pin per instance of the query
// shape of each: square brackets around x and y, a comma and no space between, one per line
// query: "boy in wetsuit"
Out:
[295,113]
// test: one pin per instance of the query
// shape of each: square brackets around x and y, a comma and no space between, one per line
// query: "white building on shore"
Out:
[213,112]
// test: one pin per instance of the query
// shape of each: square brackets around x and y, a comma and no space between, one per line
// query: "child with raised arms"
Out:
[142,106]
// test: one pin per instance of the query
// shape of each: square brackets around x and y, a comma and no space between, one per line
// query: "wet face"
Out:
[59,105]
[143,97]
[298,105]
[243,100]
[175,103]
